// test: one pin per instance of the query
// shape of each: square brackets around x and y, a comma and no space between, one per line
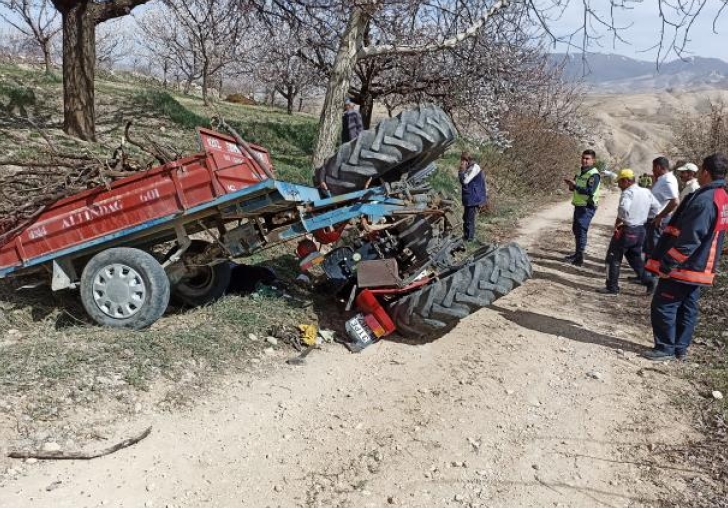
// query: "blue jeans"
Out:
[583,216]
[674,315]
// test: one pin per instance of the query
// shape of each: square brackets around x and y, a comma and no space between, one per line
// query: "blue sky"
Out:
[642,28]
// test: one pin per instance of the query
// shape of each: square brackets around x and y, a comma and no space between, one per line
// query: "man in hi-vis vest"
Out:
[585,199]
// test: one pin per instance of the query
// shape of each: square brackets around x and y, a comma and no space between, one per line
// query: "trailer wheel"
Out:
[483,278]
[124,288]
[410,141]
[203,284]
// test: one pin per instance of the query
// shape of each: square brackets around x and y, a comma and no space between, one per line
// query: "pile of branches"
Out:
[26,192]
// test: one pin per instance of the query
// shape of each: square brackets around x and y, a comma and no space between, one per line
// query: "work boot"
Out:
[578,259]
[657,355]
[570,258]
[607,291]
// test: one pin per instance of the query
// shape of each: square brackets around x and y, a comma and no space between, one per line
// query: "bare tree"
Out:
[113,42]
[437,25]
[280,66]
[35,19]
[79,20]
[198,38]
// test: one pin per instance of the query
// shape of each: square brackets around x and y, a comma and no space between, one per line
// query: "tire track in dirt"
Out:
[540,400]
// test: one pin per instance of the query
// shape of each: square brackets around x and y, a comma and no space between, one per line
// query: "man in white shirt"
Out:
[687,174]
[666,191]
[635,205]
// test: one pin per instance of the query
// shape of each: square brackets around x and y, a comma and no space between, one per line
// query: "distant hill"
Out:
[621,74]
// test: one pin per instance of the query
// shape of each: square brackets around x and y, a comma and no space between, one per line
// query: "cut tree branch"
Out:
[61,455]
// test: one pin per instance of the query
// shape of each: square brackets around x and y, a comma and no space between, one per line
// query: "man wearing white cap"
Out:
[687,174]
[635,205]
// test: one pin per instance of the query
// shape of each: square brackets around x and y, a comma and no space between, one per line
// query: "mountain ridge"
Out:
[620,74]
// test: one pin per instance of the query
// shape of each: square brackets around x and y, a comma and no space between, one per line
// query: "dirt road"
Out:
[540,400]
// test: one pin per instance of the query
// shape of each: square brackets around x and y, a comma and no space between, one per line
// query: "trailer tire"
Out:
[209,284]
[124,288]
[410,141]
[483,278]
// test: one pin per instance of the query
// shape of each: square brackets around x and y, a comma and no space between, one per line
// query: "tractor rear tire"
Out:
[480,280]
[410,141]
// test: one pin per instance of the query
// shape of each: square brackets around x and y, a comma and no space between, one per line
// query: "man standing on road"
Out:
[585,188]
[474,193]
[351,125]
[635,204]
[666,191]
[687,174]
[685,259]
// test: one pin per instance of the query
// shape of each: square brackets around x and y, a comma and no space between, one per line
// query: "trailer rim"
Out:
[119,291]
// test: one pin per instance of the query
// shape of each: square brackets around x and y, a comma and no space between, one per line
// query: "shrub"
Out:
[699,135]
[535,164]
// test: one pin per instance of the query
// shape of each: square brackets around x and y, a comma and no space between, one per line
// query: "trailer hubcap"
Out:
[119,290]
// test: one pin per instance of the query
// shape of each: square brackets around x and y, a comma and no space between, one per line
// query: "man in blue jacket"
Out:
[685,258]
[474,193]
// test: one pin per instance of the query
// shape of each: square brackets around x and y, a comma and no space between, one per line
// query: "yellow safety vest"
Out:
[582,180]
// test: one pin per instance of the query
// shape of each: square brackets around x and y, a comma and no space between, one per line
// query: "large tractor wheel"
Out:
[409,141]
[204,283]
[124,288]
[479,281]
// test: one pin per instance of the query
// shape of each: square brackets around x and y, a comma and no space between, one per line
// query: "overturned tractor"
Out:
[392,247]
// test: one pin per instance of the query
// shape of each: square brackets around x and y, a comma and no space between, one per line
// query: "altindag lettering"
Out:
[90,213]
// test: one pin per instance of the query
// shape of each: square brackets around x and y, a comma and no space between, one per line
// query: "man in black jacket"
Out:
[685,258]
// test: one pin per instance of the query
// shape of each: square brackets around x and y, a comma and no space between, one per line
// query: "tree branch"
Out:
[389,49]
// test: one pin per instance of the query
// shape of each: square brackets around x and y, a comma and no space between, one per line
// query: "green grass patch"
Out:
[164,104]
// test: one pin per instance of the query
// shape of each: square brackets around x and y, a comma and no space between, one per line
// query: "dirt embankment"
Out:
[541,400]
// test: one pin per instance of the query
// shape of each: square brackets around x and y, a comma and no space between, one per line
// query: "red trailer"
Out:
[101,239]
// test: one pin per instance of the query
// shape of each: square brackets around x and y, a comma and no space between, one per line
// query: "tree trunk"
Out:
[205,83]
[46,47]
[330,121]
[290,97]
[79,62]
[300,103]
[366,109]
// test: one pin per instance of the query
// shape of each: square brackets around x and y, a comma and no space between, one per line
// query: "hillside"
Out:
[620,74]
[636,127]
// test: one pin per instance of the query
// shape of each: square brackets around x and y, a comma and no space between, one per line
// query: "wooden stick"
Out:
[61,455]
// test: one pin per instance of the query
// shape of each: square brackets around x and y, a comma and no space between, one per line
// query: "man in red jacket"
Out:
[685,258]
